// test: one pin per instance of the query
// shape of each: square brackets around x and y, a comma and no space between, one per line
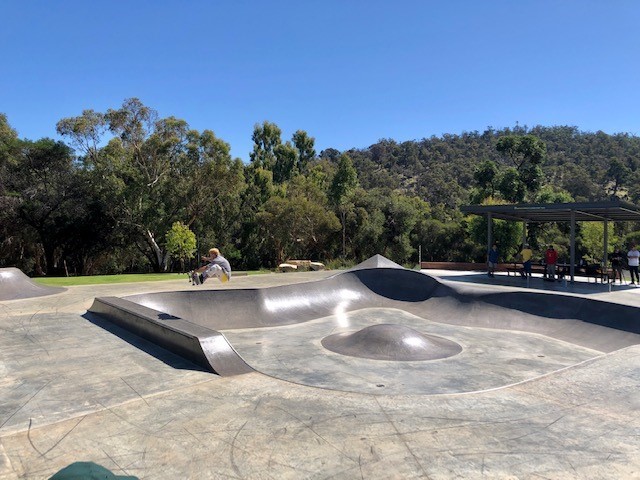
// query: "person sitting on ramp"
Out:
[217,266]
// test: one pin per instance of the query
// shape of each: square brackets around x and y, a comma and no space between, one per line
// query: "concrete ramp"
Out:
[15,285]
[200,315]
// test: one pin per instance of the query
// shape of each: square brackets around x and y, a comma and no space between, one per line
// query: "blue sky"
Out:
[347,72]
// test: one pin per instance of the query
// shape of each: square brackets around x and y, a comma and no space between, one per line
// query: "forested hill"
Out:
[589,166]
[129,191]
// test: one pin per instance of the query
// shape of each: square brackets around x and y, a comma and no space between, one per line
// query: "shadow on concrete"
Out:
[537,283]
[165,356]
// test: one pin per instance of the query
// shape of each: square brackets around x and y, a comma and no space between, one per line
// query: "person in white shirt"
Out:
[633,258]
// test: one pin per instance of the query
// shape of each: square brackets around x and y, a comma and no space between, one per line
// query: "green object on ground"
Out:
[88,471]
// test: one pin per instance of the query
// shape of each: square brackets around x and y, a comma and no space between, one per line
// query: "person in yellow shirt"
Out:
[526,255]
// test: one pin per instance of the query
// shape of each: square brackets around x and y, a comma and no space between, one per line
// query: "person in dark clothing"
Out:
[617,263]
[492,260]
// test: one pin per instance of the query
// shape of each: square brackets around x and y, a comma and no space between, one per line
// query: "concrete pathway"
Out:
[71,390]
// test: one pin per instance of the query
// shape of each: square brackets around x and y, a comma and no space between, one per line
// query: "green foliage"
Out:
[508,236]
[551,194]
[344,181]
[135,175]
[526,153]
[285,163]
[632,238]
[486,175]
[181,242]
[266,138]
[304,144]
[296,227]
[511,186]
[341,192]
[591,239]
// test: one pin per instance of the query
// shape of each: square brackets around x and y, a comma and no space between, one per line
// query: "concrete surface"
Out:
[198,324]
[14,284]
[71,390]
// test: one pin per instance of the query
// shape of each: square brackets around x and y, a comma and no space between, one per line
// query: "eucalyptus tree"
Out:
[306,151]
[43,181]
[11,241]
[285,163]
[153,172]
[85,132]
[214,191]
[266,138]
[295,225]
[526,154]
[341,191]
[617,175]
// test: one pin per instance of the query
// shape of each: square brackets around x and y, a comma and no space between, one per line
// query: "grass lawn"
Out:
[100,279]
[124,278]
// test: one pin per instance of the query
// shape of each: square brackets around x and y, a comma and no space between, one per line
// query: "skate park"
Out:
[373,372]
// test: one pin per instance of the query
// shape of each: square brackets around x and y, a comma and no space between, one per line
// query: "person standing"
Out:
[217,266]
[633,258]
[551,258]
[617,262]
[526,255]
[492,260]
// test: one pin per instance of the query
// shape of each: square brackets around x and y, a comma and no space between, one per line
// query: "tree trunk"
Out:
[160,263]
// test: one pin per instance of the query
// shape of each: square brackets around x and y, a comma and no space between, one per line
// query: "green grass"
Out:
[102,279]
[124,278]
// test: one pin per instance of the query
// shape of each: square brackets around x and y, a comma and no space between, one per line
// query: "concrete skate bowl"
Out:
[15,285]
[467,341]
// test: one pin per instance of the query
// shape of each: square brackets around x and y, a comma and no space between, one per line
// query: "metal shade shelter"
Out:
[616,211]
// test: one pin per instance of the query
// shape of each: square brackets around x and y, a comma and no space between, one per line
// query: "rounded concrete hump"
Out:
[391,342]
[377,261]
[14,285]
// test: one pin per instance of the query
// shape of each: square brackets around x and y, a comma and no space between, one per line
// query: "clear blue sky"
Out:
[349,72]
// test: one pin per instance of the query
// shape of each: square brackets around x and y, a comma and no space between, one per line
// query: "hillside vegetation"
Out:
[127,191]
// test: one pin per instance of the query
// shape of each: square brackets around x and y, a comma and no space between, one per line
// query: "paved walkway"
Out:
[72,391]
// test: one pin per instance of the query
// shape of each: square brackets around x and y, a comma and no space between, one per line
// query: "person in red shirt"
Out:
[551,258]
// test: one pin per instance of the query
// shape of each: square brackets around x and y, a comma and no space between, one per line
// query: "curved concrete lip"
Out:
[15,285]
[391,342]
[504,338]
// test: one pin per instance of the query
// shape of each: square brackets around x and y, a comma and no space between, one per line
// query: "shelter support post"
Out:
[489,231]
[524,232]
[605,254]
[572,246]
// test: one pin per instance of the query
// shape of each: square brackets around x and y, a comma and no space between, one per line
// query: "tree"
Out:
[486,175]
[617,174]
[266,138]
[285,163]
[511,187]
[306,151]
[9,147]
[297,227]
[155,172]
[44,182]
[341,190]
[9,151]
[181,242]
[526,153]
[591,237]
[85,131]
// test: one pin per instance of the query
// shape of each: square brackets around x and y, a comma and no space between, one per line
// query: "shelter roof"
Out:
[616,210]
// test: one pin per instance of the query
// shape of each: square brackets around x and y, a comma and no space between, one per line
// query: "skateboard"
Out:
[197,279]
[194,278]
